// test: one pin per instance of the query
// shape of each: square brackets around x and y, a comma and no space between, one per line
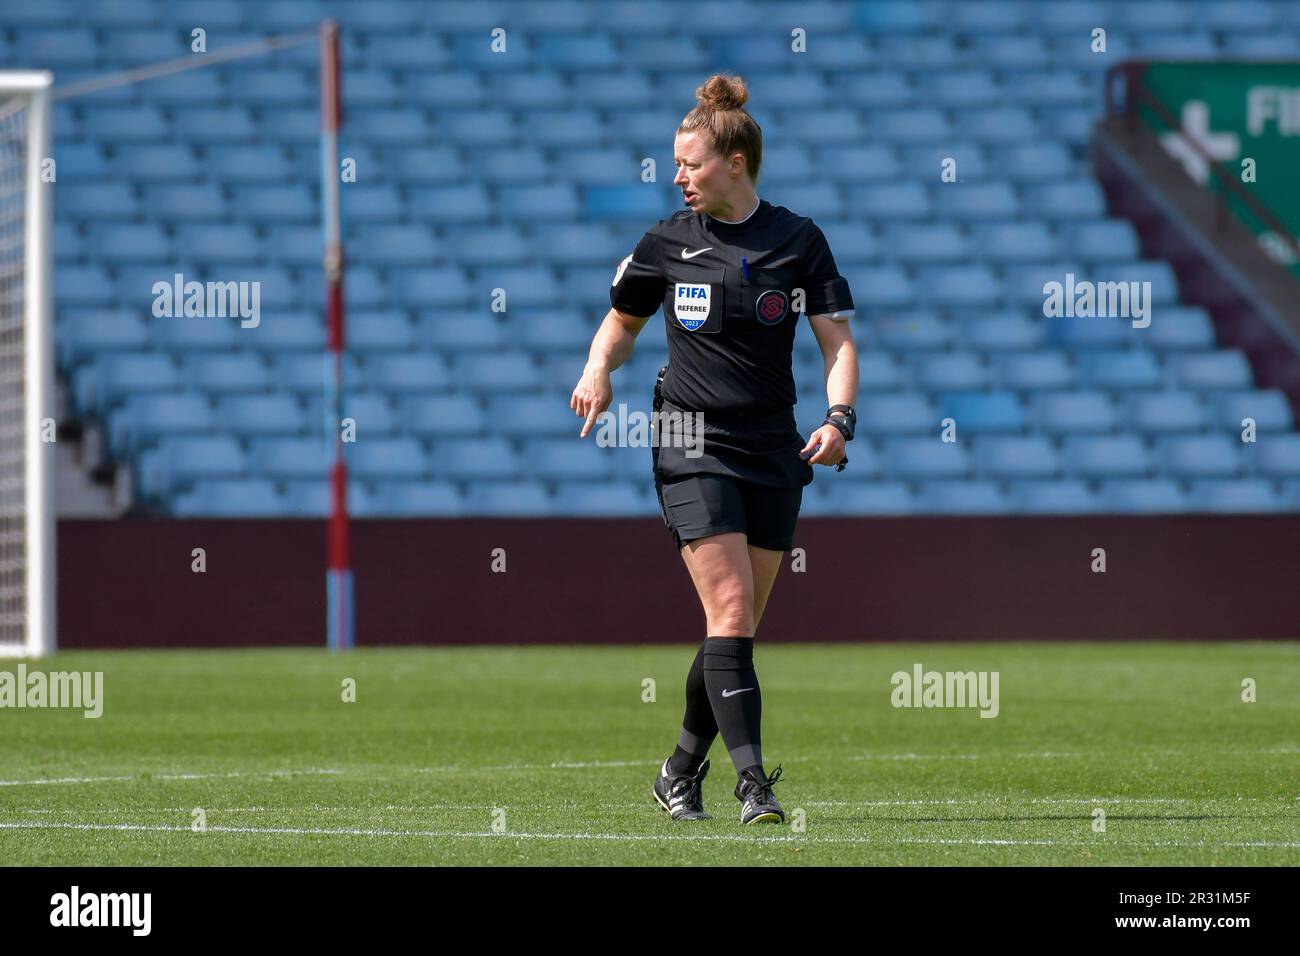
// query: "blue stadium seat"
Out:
[82,285]
[304,370]
[1074,411]
[913,330]
[285,457]
[1236,496]
[379,457]
[381,331]
[1222,369]
[896,126]
[220,124]
[260,414]
[1000,125]
[1268,407]
[1035,161]
[1120,370]
[1067,201]
[229,498]
[1104,240]
[1180,328]
[1055,497]
[928,457]
[876,88]
[897,414]
[441,416]
[96,332]
[220,242]
[999,332]
[568,459]
[486,245]
[974,412]
[1146,496]
[429,288]
[1016,456]
[977,201]
[1102,456]
[964,497]
[295,202]
[506,371]
[883,287]
[158,162]
[892,201]
[951,370]
[412,372]
[612,499]
[1166,411]
[1196,456]
[922,242]
[144,418]
[111,376]
[959,287]
[185,458]
[413,499]
[216,374]
[311,499]
[475,459]
[1274,455]
[1035,370]
[858,498]
[97,201]
[200,202]
[508,498]
[1024,241]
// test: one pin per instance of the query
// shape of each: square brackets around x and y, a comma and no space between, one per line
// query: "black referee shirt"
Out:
[730,336]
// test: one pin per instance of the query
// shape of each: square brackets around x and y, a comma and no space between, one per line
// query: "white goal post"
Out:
[27,394]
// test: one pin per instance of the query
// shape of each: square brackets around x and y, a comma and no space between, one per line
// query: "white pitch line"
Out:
[169,776]
[632,837]
[596,764]
[1013,801]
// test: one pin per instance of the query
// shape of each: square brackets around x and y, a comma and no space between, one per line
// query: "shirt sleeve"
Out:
[641,280]
[825,290]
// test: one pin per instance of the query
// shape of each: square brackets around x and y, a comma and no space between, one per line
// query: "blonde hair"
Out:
[721,115]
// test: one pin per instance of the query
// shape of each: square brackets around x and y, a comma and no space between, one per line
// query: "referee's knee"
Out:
[733,612]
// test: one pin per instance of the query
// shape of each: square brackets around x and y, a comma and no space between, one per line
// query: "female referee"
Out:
[733,273]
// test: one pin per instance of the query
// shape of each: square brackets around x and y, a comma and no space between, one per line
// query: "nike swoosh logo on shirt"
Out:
[692,255]
[733,693]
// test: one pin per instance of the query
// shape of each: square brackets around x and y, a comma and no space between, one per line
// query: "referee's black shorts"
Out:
[697,506]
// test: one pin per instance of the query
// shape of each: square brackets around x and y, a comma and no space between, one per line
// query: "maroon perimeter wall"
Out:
[130,583]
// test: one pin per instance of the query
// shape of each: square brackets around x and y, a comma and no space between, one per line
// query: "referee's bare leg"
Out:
[733,580]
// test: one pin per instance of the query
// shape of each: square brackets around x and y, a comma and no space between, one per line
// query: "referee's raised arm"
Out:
[609,349]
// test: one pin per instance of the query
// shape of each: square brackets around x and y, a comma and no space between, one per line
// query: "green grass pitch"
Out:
[546,755]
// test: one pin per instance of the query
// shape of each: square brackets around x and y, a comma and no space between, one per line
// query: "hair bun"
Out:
[722,93]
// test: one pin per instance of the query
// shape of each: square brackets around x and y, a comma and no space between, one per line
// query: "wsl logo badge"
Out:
[691,304]
[771,307]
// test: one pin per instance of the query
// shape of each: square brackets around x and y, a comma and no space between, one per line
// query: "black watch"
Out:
[846,425]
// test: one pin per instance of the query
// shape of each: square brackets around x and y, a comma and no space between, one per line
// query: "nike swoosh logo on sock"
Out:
[733,693]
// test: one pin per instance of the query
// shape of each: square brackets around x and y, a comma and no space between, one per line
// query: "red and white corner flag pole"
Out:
[340,609]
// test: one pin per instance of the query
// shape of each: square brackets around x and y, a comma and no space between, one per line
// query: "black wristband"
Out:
[846,425]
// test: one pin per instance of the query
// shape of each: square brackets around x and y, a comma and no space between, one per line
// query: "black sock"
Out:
[735,695]
[699,729]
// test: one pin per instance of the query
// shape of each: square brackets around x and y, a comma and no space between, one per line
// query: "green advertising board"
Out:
[1247,115]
